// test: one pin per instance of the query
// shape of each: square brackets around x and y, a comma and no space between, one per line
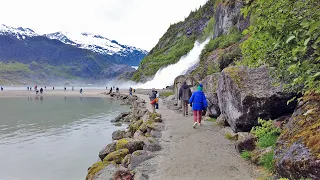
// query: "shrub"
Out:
[267,161]
[246,155]
[267,140]
[267,133]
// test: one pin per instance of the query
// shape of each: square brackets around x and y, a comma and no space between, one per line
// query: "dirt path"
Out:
[194,154]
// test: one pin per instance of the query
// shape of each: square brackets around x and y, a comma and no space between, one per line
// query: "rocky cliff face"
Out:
[228,15]
[297,154]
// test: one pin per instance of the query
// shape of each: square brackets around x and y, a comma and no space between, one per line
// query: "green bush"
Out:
[267,161]
[267,140]
[246,155]
[285,35]
[267,133]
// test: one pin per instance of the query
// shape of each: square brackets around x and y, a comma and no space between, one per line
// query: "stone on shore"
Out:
[120,117]
[99,171]
[130,144]
[107,150]
[245,94]
[120,134]
[116,156]
[138,157]
[229,133]
[297,154]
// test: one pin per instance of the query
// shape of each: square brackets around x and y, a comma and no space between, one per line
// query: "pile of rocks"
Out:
[130,147]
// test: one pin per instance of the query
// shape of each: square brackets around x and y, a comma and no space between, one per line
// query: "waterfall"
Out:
[165,76]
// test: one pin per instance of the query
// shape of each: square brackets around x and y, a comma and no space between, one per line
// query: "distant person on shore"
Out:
[1,88]
[117,90]
[130,91]
[198,102]
[72,88]
[153,98]
[157,100]
[106,87]
[45,87]
[110,90]
[52,88]
[81,91]
[28,88]
[65,88]
[41,90]
[184,96]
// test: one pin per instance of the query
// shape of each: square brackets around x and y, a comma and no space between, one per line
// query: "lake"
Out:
[49,138]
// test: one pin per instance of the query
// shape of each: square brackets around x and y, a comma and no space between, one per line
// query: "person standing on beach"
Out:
[81,91]
[130,91]
[153,98]
[198,102]
[184,96]
[1,88]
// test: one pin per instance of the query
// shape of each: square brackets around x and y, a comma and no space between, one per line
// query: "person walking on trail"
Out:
[157,100]
[153,98]
[130,91]
[198,102]
[184,96]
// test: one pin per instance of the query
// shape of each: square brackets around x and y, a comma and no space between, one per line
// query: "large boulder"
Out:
[245,94]
[210,84]
[107,150]
[99,171]
[130,144]
[297,154]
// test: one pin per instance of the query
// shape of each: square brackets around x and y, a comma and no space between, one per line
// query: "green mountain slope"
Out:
[177,41]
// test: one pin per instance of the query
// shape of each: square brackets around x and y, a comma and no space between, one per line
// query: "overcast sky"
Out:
[134,22]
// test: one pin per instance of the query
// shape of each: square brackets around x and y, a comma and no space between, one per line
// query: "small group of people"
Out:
[154,100]
[197,101]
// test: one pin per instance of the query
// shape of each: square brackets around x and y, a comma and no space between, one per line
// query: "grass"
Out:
[267,161]
[268,140]
[166,93]
[229,136]
[246,155]
[212,119]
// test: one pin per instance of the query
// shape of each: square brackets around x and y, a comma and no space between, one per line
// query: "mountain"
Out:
[125,54]
[28,57]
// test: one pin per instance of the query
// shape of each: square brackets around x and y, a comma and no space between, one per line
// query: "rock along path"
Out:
[194,154]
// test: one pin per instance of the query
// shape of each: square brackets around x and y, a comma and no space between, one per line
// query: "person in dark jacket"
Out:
[153,98]
[184,96]
[198,102]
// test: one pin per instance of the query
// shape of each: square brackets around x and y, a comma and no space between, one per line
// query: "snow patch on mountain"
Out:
[19,32]
[95,43]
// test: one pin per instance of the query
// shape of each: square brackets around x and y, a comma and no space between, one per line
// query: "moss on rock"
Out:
[122,143]
[116,156]
[94,169]
[135,126]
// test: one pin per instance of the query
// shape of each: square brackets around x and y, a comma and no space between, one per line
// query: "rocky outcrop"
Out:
[297,154]
[245,94]
[107,150]
[210,84]
[227,15]
[131,146]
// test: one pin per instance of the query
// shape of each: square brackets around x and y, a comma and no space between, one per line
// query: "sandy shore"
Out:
[85,93]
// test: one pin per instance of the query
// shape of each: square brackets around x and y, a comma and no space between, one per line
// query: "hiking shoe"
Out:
[187,114]
[194,125]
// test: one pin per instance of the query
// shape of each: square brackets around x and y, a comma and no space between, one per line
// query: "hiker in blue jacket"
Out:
[198,102]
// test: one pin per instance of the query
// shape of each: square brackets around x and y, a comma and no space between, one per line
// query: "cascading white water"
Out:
[165,76]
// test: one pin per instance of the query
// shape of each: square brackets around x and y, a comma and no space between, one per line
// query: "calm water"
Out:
[53,138]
